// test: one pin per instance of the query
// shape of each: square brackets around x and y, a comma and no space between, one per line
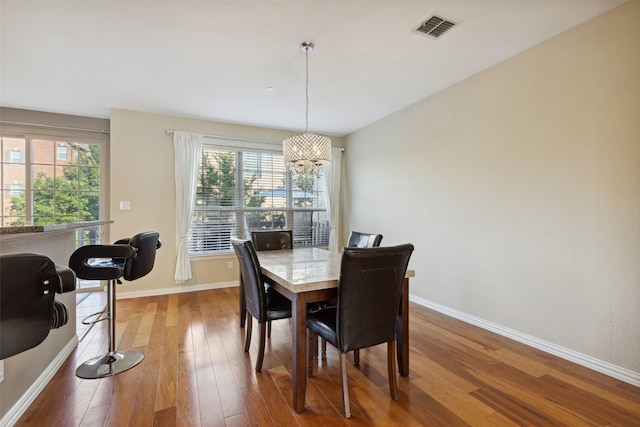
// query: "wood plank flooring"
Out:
[195,373]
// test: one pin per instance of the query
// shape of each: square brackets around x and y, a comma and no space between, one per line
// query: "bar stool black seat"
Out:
[127,259]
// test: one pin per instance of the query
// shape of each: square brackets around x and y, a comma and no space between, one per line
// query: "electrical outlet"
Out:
[1,370]
[230,265]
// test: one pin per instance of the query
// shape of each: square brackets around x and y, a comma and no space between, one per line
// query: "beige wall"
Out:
[142,172]
[520,188]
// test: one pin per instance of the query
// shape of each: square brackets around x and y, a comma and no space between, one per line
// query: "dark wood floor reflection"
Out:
[195,373]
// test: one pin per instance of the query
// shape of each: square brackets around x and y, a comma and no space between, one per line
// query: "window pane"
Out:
[311,228]
[43,207]
[12,179]
[88,206]
[13,150]
[266,220]
[216,179]
[89,178]
[15,205]
[44,177]
[43,151]
[87,154]
[211,231]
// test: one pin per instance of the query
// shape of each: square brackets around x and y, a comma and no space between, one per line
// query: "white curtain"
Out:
[332,196]
[187,147]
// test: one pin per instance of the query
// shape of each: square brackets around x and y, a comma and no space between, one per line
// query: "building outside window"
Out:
[41,189]
[240,190]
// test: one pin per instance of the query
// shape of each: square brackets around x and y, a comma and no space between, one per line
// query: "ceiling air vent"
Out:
[436,26]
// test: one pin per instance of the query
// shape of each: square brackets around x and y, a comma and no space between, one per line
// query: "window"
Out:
[42,190]
[242,190]
[62,152]
[16,156]
[16,190]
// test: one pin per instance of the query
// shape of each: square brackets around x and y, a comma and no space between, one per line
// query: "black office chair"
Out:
[369,293]
[364,240]
[127,259]
[262,303]
[28,309]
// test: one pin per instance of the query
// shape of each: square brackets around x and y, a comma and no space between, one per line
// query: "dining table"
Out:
[308,274]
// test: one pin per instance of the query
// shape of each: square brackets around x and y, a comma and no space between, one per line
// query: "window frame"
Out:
[29,174]
[319,235]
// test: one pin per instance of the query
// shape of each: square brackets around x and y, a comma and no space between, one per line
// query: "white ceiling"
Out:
[215,59]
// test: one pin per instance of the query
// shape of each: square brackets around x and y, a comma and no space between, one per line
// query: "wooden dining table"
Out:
[306,275]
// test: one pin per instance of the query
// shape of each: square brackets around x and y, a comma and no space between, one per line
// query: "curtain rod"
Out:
[42,125]
[231,138]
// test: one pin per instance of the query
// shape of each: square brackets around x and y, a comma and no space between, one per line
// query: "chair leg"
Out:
[312,351]
[269,328]
[243,304]
[391,366]
[248,327]
[324,347]
[345,388]
[263,333]
[356,357]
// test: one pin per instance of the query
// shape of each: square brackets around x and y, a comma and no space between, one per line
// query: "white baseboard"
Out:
[175,290]
[16,411]
[603,367]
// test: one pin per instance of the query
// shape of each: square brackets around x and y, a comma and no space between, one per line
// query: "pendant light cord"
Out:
[306,86]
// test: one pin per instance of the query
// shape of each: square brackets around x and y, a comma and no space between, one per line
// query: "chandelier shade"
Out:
[306,153]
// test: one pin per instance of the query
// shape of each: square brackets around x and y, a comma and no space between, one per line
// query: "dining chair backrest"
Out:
[369,293]
[364,240]
[252,282]
[268,240]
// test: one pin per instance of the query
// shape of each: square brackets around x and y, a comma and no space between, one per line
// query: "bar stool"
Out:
[127,259]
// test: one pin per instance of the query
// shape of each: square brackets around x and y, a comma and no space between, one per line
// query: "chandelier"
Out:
[306,153]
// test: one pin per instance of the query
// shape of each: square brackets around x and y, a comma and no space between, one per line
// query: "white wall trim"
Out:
[603,367]
[19,408]
[176,290]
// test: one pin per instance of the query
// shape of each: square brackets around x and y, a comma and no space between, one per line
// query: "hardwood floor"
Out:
[195,373]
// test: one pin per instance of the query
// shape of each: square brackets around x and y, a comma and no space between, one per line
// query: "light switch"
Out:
[125,205]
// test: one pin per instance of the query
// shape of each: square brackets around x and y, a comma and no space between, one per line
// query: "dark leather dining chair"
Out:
[262,302]
[28,309]
[269,240]
[266,240]
[369,293]
[364,240]
[356,240]
[127,259]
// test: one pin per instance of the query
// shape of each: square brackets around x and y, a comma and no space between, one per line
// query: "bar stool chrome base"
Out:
[109,364]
